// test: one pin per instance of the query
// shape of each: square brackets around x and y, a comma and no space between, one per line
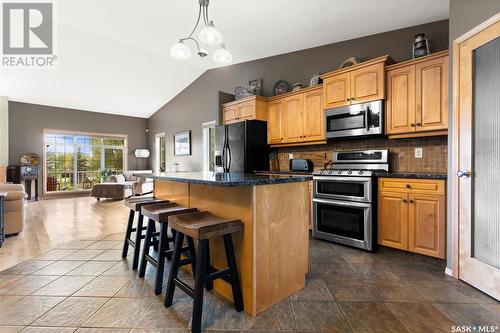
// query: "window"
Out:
[76,161]
[209,146]
[161,153]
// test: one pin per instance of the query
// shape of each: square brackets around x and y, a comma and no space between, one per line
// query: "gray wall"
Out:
[464,15]
[27,122]
[199,102]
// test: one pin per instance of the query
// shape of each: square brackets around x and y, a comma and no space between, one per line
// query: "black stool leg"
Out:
[156,241]
[169,255]
[161,258]
[147,246]
[199,285]
[174,269]
[138,236]
[192,253]
[235,282]
[209,285]
[128,233]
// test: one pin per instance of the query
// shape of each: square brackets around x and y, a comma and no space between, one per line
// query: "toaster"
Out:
[300,164]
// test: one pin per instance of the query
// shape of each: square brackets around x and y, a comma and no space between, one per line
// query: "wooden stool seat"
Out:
[203,225]
[161,211]
[135,204]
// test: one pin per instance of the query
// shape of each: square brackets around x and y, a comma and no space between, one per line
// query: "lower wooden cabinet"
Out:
[412,215]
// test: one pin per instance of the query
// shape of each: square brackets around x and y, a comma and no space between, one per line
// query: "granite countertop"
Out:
[231,179]
[416,175]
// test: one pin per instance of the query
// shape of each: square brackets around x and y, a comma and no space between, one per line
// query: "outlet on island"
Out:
[419,153]
[290,156]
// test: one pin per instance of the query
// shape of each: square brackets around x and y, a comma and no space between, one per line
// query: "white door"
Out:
[477,69]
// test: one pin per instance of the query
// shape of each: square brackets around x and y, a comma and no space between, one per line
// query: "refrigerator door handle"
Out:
[230,158]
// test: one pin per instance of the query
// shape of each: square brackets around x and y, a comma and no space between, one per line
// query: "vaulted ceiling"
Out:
[113,55]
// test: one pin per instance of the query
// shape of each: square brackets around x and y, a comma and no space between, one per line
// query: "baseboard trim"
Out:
[448,271]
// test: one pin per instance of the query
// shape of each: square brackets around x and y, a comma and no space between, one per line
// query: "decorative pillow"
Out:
[117,179]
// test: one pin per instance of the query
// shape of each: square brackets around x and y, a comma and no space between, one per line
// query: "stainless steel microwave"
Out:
[355,120]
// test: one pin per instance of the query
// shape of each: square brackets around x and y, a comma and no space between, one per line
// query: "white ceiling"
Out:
[113,55]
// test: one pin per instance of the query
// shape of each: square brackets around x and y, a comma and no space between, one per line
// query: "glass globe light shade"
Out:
[180,51]
[209,35]
[222,56]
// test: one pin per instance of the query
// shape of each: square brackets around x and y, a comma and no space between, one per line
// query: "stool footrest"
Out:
[184,286]
[135,229]
[188,261]
[219,274]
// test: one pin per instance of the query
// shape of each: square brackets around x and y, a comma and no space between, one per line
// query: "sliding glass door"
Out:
[75,162]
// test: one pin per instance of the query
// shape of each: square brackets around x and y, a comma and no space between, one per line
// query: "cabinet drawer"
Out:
[430,186]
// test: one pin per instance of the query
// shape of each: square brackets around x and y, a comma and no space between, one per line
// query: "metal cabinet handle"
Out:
[348,99]
[405,201]
[419,124]
[463,174]
[411,201]
[408,186]
[412,125]
[352,98]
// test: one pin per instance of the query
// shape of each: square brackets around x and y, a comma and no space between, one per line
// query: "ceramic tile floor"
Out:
[84,286]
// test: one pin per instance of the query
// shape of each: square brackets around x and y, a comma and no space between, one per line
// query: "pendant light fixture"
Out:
[208,36]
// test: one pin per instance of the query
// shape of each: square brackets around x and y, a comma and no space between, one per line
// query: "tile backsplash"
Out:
[402,152]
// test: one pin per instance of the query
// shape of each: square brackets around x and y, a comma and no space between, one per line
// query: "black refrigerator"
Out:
[242,147]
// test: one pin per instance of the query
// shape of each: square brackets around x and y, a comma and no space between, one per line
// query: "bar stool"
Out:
[160,213]
[203,226]
[135,205]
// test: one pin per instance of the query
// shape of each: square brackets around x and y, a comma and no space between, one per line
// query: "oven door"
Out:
[348,223]
[354,120]
[357,189]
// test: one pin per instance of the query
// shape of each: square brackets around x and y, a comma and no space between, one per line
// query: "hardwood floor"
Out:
[52,222]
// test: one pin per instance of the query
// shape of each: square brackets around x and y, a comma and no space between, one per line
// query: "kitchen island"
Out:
[272,249]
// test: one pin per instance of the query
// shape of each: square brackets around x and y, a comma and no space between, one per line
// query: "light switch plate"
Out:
[419,152]
[290,156]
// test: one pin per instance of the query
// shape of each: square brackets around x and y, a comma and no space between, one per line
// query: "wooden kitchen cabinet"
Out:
[426,224]
[412,215]
[313,119]
[296,118]
[337,90]
[249,108]
[392,221]
[417,97]
[274,118]
[364,82]
[292,120]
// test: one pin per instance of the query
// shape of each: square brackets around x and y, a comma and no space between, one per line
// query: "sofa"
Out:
[15,208]
[124,185]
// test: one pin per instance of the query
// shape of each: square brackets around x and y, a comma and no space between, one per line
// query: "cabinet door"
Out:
[292,118]
[246,110]
[274,122]
[313,119]
[230,114]
[337,91]
[426,234]
[393,220]
[400,106]
[432,94]
[367,84]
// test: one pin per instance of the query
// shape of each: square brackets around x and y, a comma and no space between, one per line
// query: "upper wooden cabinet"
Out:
[253,107]
[412,215]
[417,97]
[296,118]
[274,119]
[360,83]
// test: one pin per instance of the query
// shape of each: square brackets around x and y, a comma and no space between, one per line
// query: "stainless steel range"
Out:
[344,198]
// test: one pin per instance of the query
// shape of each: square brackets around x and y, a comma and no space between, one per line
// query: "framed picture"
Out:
[182,143]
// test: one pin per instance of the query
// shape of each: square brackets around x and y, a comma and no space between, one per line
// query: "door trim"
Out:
[455,246]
